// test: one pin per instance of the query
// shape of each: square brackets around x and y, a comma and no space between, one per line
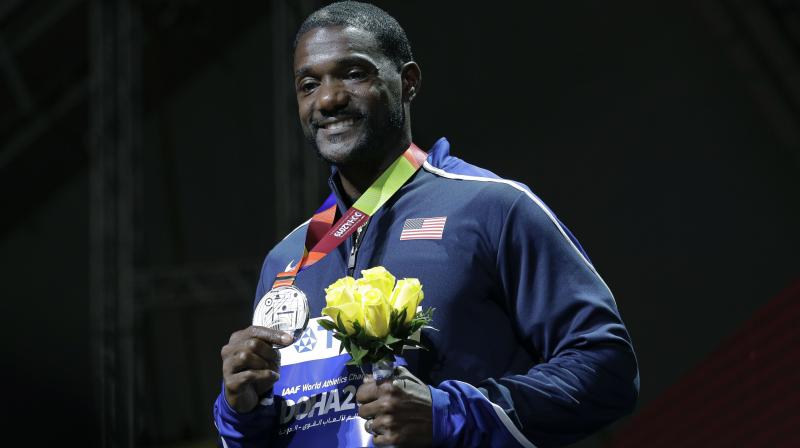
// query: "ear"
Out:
[412,78]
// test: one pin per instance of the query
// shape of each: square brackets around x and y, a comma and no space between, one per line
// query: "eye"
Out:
[357,74]
[307,85]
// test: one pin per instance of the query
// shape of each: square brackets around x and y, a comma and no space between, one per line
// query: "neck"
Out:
[357,177]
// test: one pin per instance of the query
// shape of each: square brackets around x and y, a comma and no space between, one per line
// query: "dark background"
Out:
[666,135]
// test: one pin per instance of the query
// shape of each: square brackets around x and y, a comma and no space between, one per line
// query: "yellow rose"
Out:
[407,295]
[341,291]
[377,277]
[376,312]
[348,312]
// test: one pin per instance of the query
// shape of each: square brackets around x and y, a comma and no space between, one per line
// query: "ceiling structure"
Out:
[44,82]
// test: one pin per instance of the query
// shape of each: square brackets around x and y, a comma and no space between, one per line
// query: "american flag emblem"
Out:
[423,228]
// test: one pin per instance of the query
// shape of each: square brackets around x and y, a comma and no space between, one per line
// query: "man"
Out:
[530,348]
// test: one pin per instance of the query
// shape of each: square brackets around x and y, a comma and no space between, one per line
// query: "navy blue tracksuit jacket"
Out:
[531,349]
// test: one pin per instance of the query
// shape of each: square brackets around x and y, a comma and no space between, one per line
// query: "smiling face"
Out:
[349,96]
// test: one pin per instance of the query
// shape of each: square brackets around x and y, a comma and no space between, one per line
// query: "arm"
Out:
[243,430]
[564,314]
[250,365]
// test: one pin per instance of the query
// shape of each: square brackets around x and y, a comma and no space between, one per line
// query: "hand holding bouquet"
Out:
[375,317]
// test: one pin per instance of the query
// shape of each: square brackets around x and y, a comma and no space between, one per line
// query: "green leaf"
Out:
[327,324]
[391,340]
[394,322]
[357,353]
[340,324]
[360,331]
[369,345]
[401,317]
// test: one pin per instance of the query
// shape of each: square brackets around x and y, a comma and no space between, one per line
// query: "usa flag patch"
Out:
[423,228]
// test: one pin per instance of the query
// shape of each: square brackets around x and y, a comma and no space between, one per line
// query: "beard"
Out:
[367,146]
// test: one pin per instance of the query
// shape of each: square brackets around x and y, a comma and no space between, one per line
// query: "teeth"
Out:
[340,124]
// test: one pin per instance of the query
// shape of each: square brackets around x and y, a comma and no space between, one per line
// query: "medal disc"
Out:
[284,308]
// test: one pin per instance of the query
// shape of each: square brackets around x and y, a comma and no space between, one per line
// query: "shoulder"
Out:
[286,252]
[501,202]
[517,202]
[456,175]
[290,246]
[441,164]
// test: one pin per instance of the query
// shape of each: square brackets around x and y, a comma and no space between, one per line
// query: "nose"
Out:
[333,96]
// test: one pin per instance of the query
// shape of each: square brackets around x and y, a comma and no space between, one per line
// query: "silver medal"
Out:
[284,308]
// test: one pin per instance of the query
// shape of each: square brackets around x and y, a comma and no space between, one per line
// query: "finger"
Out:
[372,409]
[405,374]
[262,349]
[368,425]
[389,388]
[385,439]
[260,380]
[399,383]
[384,424]
[367,392]
[257,346]
[243,360]
[268,335]
[402,372]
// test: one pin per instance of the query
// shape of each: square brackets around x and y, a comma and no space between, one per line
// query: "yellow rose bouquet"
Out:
[375,316]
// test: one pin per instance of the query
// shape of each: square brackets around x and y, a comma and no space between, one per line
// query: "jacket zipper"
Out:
[351,261]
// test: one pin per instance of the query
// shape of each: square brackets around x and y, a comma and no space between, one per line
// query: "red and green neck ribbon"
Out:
[323,236]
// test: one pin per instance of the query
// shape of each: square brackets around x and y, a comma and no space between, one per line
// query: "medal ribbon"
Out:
[323,236]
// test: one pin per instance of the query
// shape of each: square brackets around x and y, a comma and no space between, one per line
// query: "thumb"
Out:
[403,373]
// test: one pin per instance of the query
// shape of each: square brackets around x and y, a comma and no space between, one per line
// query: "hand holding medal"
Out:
[284,308]
[250,365]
